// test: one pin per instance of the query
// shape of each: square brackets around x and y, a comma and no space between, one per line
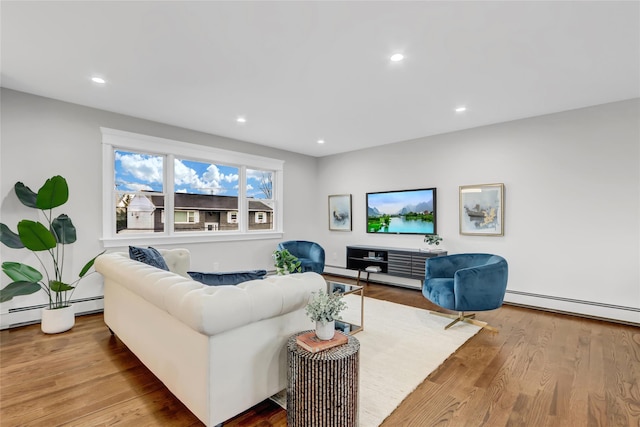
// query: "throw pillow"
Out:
[228,278]
[149,256]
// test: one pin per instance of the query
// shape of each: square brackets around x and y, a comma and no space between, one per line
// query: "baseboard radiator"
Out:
[28,315]
[625,314]
[590,309]
[21,316]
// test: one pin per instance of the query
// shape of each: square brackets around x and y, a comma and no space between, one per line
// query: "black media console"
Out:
[399,262]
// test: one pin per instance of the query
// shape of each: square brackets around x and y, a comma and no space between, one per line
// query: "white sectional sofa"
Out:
[219,349]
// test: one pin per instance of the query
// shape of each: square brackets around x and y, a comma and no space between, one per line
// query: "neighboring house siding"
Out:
[213,213]
[140,214]
[158,225]
[253,225]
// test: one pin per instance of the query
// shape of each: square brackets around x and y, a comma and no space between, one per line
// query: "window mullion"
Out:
[278,196]
[109,191]
[169,199]
[243,204]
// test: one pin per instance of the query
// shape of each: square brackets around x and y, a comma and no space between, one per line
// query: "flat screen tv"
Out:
[402,212]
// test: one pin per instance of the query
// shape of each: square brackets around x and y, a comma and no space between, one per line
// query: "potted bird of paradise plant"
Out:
[47,242]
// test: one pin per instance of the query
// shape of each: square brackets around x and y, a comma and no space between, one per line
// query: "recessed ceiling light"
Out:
[98,80]
[461,109]
[321,141]
[241,120]
[397,57]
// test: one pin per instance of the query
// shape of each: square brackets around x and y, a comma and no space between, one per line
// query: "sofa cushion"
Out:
[178,260]
[227,278]
[149,256]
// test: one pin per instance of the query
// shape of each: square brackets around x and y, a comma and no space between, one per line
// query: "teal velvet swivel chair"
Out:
[310,254]
[466,282]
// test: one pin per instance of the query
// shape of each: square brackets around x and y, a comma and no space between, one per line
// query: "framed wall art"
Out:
[482,210]
[340,212]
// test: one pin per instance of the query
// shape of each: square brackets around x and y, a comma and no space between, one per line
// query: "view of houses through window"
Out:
[191,196]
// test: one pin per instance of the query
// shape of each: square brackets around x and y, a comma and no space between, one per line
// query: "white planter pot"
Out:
[325,331]
[57,320]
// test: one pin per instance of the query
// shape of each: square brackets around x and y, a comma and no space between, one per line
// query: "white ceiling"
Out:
[301,71]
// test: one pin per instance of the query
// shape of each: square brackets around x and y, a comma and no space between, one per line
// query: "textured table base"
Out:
[322,388]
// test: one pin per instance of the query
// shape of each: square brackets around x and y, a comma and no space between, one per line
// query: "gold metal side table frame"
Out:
[347,289]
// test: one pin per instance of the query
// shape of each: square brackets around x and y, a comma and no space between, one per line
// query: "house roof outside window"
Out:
[185,201]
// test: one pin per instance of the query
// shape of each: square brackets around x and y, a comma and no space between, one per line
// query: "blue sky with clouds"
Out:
[143,172]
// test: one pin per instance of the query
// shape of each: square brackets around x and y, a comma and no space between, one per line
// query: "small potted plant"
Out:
[433,240]
[285,262]
[324,308]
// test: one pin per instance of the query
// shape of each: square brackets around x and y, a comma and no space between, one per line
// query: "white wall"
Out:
[41,137]
[572,202]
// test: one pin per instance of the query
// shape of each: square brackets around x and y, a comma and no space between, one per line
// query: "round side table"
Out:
[322,387]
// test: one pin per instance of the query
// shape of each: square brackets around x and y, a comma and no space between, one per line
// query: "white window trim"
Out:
[113,139]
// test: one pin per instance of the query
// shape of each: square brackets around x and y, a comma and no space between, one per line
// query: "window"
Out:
[209,187]
[179,192]
[134,189]
[261,217]
[260,199]
[185,217]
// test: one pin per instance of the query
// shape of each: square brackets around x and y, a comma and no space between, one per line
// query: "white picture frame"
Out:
[482,210]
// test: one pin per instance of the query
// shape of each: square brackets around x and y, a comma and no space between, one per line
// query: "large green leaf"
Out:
[57,286]
[63,229]
[53,193]
[88,265]
[21,272]
[25,195]
[35,236]
[10,238]
[16,289]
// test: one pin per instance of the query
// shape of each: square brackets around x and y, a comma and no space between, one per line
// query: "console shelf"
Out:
[399,262]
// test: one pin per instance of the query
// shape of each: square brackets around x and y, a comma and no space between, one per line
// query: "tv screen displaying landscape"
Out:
[402,212]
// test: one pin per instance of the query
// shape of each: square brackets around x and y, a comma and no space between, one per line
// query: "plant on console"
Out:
[432,239]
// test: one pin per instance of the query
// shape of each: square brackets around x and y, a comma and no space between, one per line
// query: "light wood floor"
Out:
[542,369]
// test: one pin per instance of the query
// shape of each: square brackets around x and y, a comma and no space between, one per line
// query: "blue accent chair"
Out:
[310,254]
[466,282]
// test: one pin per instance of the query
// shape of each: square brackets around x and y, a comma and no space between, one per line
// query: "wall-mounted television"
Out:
[402,212]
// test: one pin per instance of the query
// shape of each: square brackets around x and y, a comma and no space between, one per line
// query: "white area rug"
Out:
[399,347]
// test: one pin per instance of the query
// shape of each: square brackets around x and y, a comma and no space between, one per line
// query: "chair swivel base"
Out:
[468,318]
